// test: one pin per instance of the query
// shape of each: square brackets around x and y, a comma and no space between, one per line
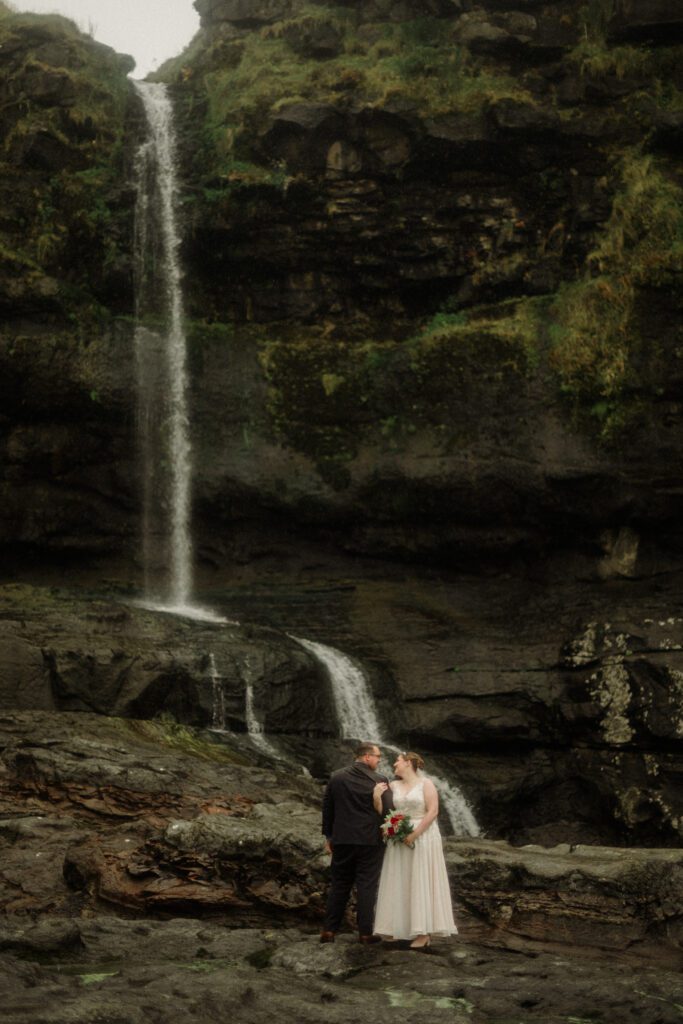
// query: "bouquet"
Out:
[396,827]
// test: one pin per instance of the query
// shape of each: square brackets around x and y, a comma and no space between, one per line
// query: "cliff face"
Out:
[432,261]
[446,240]
[65,268]
[436,246]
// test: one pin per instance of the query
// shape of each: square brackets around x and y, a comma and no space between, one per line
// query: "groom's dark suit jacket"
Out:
[348,812]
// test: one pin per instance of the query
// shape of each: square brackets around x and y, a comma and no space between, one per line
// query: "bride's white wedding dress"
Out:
[414,897]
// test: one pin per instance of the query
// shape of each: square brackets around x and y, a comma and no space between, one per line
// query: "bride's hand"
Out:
[380,788]
[410,839]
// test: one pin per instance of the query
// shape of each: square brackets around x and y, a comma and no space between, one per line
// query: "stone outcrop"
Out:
[115,658]
[416,272]
[66,210]
[595,897]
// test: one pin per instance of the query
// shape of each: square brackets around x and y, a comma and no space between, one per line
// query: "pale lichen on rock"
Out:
[612,690]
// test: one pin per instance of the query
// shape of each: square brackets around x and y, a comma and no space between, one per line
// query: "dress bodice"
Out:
[411,802]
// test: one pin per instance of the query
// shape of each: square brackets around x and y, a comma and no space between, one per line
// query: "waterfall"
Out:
[161,357]
[217,698]
[353,701]
[358,720]
[254,727]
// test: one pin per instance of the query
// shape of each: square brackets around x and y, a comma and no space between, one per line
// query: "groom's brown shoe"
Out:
[369,940]
[327,936]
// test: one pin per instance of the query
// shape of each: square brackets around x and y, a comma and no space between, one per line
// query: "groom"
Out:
[352,836]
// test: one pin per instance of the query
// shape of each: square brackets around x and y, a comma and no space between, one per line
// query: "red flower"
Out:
[396,827]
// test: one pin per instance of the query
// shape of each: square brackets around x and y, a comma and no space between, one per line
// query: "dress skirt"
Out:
[414,896]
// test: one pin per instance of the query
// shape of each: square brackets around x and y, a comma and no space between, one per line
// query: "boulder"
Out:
[597,898]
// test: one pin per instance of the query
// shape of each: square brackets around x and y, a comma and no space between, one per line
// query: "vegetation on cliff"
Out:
[545,140]
[596,333]
[326,55]
[65,239]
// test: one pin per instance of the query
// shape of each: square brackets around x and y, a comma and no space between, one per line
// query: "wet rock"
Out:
[81,795]
[511,116]
[268,861]
[460,983]
[25,681]
[668,131]
[302,134]
[116,658]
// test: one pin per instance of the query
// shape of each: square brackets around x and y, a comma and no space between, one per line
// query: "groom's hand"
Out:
[328,847]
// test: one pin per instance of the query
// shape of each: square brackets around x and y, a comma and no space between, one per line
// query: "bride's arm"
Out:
[380,788]
[432,805]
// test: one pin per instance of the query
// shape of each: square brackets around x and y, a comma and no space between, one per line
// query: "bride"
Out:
[414,899]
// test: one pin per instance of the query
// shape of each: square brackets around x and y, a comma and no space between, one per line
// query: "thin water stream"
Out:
[163,415]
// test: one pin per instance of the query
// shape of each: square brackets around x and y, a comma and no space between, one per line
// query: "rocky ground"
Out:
[116,971]
[150,873]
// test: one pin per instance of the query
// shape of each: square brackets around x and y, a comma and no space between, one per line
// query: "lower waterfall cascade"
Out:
[358,720]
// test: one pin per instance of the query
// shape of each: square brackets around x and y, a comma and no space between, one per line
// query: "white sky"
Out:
[150,30]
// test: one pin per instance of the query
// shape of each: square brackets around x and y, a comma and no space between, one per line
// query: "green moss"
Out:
[516,325]
[96,979]
[237,86]
[69,94]
[594,334]
[328,396]
[654,67]
[171,734]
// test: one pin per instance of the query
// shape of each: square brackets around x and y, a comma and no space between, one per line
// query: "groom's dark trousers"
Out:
[353,863]
[351,824]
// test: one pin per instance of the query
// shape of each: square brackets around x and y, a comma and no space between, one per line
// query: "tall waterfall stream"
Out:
[161,354]
[166,449]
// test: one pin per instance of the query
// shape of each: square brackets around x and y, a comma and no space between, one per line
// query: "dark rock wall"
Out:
[444,249]
[432,257]
[66,117]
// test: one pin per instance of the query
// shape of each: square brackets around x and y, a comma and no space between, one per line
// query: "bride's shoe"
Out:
[421,942]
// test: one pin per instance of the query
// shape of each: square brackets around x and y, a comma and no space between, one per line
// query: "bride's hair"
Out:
[416,761]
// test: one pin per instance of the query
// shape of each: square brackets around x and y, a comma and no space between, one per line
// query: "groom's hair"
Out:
[364,748]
